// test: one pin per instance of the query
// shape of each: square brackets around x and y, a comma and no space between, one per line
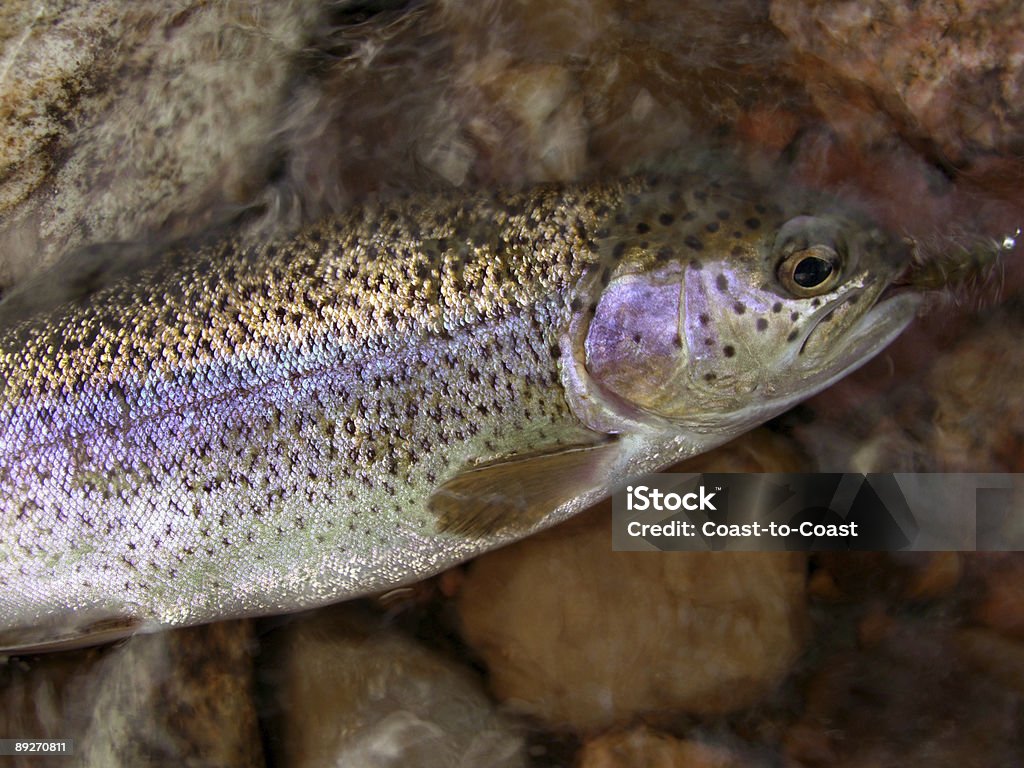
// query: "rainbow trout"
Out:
[239,431]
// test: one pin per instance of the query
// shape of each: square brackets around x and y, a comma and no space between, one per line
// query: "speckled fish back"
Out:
[247,430]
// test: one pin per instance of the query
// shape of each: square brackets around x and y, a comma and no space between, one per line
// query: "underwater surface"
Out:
[151,123]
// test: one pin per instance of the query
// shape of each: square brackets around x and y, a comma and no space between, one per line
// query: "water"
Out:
[259,118]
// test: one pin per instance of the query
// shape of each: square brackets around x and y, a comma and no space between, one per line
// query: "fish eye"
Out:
[810,271]
[811,253]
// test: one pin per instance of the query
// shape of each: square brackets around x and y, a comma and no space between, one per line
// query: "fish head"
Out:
[755,308]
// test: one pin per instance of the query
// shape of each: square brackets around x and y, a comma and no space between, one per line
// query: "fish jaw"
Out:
[875,331]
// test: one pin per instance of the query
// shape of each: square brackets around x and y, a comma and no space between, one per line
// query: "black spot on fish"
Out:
[762,324]
[666,219]
[643,228]
[723,215]
[739,308]
[792,335]
[695,264]
[816,303]
[794,316]
[710,376]
[677,341]
[737,250]
[665,253]
[576,304]
[729,350]
[694,243]
[753,222]
[619,250]
[704,319]
[853,299]
[709,342]
[722,282]
[711,226]
[636,338]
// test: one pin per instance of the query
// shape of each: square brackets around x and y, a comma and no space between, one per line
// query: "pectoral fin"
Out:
[514,495]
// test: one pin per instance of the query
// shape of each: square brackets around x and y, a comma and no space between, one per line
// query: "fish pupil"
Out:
[811,272]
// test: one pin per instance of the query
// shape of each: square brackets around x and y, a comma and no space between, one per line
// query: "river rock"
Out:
[124,121]
[584,637]
[352,692]
[917,693]
[936,71]
[645,747]
[179,698]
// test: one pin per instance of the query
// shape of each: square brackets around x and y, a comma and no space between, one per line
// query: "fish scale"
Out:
[248,430]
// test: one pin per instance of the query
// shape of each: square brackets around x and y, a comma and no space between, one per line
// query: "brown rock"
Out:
[979,413]
[644,747]
[904,576]
[938,71]
[123,120]
[353,692]
[182,698]
[527,121]
[913,697]
[582,636]
[999,600]
[998,657]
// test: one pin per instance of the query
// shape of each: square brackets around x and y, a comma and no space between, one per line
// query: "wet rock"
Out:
[904,576]
[181,698]
[979,403]
[567,90]
[911,696]
[378,116]
[584,637]
[938,72]
[129,120]
[997,600]
[352,692]
[993,655]
[529,123]
[645,747]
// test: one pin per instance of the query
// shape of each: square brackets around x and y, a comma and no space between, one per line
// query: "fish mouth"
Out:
[892,311]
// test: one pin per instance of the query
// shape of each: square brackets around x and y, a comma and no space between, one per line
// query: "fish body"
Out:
[249,430]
